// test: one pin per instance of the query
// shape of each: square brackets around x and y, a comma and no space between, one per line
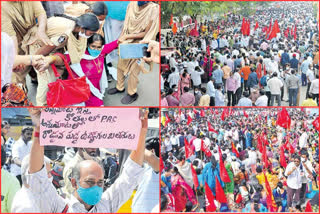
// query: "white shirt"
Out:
[197,144]
[305,178]
[196,76]
[174,140]
[262,101]
[314,87]
[275,85]
[147,195]
[294,179]
[238,78]
[174,78]
[24,201]
[112,199]
[168,145]
[19,150]
[310,75]
[303,140]
[210,89]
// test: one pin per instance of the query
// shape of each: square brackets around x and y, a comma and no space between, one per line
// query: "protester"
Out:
[242,160]
[273,39]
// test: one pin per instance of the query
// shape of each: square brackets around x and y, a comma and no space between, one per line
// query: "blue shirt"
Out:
[294,63]
[305,66]
[284,58]
[217,75]
[252,79]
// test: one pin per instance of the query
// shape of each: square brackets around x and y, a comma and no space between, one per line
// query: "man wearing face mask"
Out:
[307,171]
[81,155]
[24,201]
[141,23]
[20,149]
[87,179]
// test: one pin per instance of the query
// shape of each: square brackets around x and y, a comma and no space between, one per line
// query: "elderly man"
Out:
[87,179]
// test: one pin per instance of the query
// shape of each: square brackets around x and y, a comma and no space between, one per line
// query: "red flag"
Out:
[295,32]
[171,20]
[286,32]
[220,196]
[210,128]
[195,111]
[161,164]
[217,112]
[205,149]
[224,114]
[211,111]
[284,119]
[168,120]
[195,178]
[223,171]
[187,148]
[265,157]
[256,26]
[234,150]
[243,25]
[276,26]
[239,198]
[308,207]
[283,161]
[174,28]
[270,203]
[288,146]
[245,114]
[210,206]
[202,114]
[190,21]
[315,123]
[273,34]
[189,120]
[179,111]
[248,28]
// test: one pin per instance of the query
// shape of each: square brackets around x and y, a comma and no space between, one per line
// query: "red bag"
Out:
[67,92]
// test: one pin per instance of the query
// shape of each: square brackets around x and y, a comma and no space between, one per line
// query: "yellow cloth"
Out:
[309,102]
[261,178]
[204,100]
[76,10]
[19,17]
[9,186]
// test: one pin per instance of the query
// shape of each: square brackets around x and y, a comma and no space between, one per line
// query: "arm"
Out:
[152,160]
[137,35]
[107,48]
[37,151]
[138,155]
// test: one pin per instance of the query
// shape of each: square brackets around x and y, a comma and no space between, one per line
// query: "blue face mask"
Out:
[141,3]
[90,195]
[93,52]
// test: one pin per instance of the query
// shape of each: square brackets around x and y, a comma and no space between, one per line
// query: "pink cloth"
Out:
[187,99]
[184,82]
[90,69]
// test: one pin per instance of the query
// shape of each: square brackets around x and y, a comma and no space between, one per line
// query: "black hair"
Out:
[164,202]
[87,21]
[153,144]
[99,8]
[3,155]
[96,37]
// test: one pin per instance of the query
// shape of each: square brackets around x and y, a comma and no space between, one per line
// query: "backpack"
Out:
[263,81]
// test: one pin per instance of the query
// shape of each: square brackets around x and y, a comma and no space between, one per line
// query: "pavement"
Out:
[148,90]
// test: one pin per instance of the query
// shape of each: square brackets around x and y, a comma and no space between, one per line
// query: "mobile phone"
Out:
[133,51]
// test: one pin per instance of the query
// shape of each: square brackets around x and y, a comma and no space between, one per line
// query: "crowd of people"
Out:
[68,40]
[240,160]
[268,58]
[95,180]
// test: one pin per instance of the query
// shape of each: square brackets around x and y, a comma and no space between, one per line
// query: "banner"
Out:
[90,127]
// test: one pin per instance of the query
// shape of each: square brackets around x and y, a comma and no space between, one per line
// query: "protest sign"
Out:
[90,127]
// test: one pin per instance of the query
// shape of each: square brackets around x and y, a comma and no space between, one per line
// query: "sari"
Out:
[181,192]
[93,69]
